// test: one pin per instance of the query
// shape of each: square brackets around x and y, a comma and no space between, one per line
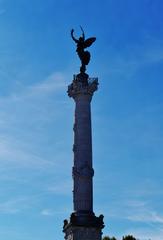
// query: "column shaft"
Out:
[83,224]
[82,170]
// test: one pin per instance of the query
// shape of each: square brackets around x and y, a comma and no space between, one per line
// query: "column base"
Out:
[83,233]
[83,226]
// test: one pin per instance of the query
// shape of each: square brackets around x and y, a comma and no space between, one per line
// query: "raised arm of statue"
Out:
[72,35]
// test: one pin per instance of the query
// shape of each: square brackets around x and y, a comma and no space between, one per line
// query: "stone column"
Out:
[83,225]
[82,170]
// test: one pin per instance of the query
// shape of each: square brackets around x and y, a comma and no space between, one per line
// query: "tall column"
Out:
[83,224]
[82,170]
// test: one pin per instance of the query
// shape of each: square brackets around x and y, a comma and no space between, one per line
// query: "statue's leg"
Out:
[82,68]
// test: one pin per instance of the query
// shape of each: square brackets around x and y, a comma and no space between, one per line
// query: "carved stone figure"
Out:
[81,45]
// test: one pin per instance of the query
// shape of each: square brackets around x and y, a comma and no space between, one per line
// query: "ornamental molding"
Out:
[82,86]
[83,172]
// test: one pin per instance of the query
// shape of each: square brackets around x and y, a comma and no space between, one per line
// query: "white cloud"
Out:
[54,82]
[145,216]
[12,154]
[52,212]
[146,233]
[22,117]
[14,206]
[136,203]
[136,210]
[47,212]
[139,211]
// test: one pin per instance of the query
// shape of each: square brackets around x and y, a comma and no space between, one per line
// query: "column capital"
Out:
[82,85]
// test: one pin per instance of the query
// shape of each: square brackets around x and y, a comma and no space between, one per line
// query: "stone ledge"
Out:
[85,87]
[84,220]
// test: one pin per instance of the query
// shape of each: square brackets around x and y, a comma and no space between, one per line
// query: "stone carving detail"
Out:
[65,222]
[83,233]
[84,172]
[78,87]
[88,234]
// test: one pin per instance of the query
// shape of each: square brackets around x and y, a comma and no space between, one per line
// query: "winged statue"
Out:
[81,44]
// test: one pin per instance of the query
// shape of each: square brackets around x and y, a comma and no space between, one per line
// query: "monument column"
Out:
[83,224]
[82,170]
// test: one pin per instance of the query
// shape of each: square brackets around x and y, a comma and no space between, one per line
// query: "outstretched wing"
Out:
[89,42]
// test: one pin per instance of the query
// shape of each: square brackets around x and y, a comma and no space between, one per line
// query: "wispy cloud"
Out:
[54,82]
[48,212]
[12,154]
[144,215]
[22,113]
[136,210]
[145,233]
[14,206]
[52,212]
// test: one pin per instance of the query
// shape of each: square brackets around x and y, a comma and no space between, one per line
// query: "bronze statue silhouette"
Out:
[81,45]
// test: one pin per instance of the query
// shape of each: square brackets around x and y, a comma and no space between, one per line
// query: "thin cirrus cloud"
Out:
[146,233]
[138,212]
[14,206]
[145,216]
[141,211]
[12,154]
[22,116]
[54,82]
[52,212]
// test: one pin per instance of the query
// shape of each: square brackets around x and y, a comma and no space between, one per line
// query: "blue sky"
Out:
[37,62]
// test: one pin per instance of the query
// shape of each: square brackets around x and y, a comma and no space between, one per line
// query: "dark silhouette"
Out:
[109,238]
[81,45]
[128,237]
[65,222]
